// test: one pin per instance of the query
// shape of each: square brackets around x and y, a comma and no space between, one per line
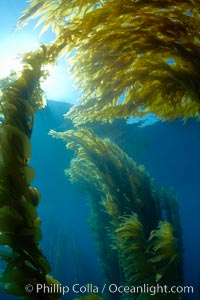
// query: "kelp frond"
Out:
[126,210]
[101,166]
[131,58]
[164,250]
[131,243]
[150,260]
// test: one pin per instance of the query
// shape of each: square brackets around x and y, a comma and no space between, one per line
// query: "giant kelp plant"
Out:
[20,231]
[130,58]
[136,226]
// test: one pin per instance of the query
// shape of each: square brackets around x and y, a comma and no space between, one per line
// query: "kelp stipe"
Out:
[137,245]
[20,231]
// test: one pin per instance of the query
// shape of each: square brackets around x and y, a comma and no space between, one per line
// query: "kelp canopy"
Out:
[131,58]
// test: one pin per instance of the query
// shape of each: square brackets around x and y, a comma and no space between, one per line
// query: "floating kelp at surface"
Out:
[137,244]
[20,231]
[131,58]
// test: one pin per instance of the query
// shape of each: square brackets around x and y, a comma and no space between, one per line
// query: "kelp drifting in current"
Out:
[130,58]
[20,231]
[137,227]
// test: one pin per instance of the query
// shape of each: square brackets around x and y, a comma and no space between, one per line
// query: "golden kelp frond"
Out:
[131,243]
[56,14]
[131,58]
[163,246]
[147,260]
[165,240]
[20,227]
[102,165]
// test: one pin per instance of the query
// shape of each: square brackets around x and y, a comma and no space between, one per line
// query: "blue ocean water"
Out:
[170,153]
